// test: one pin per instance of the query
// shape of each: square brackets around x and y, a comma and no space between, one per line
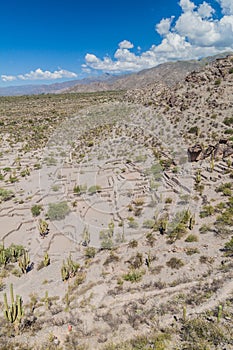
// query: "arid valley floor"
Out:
[116,214]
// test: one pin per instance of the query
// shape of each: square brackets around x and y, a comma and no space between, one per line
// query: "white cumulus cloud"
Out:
[187,5]
[39,74]
[227,6]
[8,77]
[163,27]
[205,10]
[194,34]
[125,44]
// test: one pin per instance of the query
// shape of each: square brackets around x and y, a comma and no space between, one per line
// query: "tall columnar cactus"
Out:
[219,315]
[111,228]
[212,163]
[148,260]
[191,222]
[14,312]
[46,259]
[64,272]
[43,228]
[198,177]
[24,262]
[184,313]
[186,216]
[163,226]
[46,300]
[86,237]
[13,253]
[3,257]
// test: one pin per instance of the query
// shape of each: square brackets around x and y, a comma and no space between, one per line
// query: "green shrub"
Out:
[194,130]
[191,251]
[132,222]
[36,210]
[107,243]
[228,248]
[148,224]
[50,161]
[207,210]
[133,243]
[37,166]
[79,189]
[225,189]
[177,231]
[175,263]
[112,257]
[228,121]
[166,163]
[226,218]
[201,334]
[6,195]
[90,252]
[134,275]
[205,228]
[228,131]
[94,189]
[168,200]
[191,238]
[58,211]
[150,238]
[136,261]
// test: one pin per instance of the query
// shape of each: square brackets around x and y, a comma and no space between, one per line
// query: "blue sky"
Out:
[50,41]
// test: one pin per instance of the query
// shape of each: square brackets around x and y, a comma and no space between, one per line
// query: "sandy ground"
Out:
[121,162]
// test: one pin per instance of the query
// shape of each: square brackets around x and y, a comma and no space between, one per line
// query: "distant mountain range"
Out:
[167,73]
[52,88]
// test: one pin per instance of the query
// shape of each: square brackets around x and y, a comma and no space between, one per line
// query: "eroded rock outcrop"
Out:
[221,150]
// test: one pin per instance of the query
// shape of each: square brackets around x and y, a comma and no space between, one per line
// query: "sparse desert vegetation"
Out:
[116,217]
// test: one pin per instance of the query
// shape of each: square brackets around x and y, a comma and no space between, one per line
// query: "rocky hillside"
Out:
[201,106]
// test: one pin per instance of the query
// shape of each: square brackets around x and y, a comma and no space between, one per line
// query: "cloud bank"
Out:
[196,33]
[39,74]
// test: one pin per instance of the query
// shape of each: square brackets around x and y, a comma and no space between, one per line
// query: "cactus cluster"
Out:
[24,262]
[14,312]
[10,254]
[69,269]
[43,228]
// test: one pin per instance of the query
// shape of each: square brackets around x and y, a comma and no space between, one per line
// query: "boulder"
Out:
[195,153]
